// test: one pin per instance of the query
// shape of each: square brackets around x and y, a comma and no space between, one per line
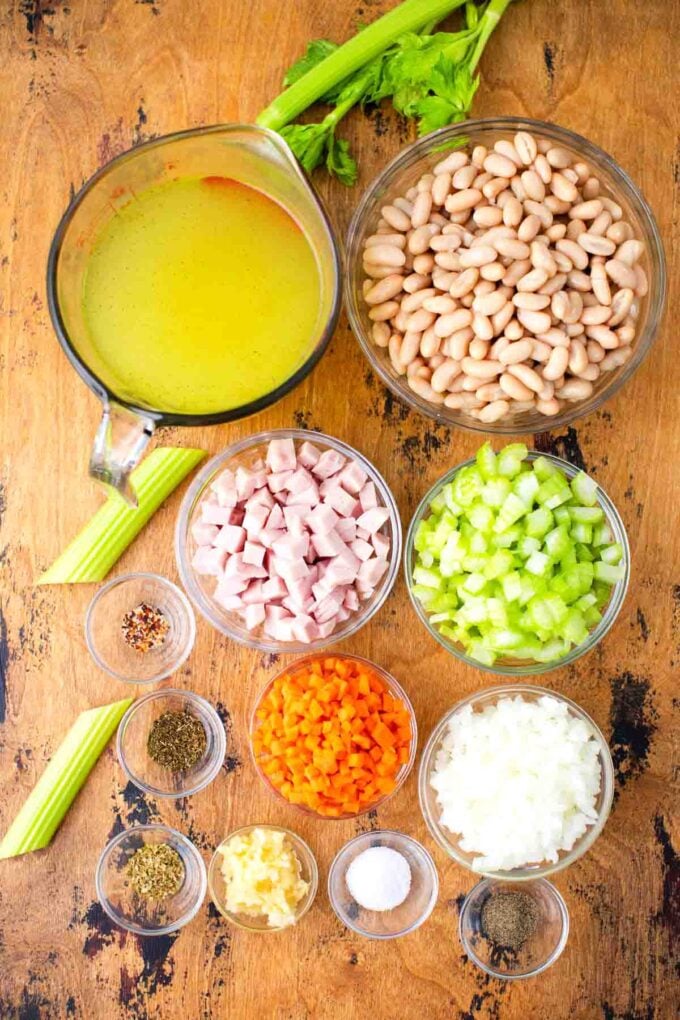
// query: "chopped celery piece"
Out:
[110,531]
[584,489]
[608,572]
[612,553]
[486,461]
[67,770]
[539,522]
[514,560]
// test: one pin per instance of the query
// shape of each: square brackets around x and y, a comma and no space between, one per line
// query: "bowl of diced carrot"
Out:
[334,736]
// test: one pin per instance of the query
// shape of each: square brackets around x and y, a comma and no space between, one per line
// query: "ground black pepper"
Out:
[144,627]
[509,919]
[177,740]
[155,871]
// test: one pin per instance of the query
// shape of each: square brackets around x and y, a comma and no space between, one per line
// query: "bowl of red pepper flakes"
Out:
[335,736]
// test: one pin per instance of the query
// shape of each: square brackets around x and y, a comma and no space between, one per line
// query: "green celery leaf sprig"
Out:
[429,77]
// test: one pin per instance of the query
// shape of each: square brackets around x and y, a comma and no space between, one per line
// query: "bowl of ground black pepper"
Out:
[171,743]
[512,931]
[151,879]
[140,628]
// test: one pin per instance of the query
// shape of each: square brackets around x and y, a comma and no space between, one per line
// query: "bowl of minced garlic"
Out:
[263,878]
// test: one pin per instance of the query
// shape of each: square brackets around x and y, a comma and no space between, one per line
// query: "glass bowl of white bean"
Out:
[504,276]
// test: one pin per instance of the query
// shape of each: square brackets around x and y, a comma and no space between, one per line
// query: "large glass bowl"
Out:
[200,588]
[523,667]
[393,688]
[448,841]
[419,158]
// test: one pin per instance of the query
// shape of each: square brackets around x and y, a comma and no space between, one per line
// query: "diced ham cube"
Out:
[305,629]
[282,630]
[352,477]
[342,614]
[341,501]
[300,480]
[368,497]
[381,544]
[274,588]
[295,607]
[275,519]
[340,572]
[275,613]
[245,483]
[327,609]
[224,487]
[290,570]
[231,538]
[253,616]
[213,513]
[364,550]
[232,603]
[254,593]
[363,534]
[281,455]
[204,534]
[291,547]
[237,567]
[308,454]
[371,571]
[254,520]
[372,520]
[253,553]
[351,600]
[322,519]
[279,480]
[300,589]
[262,497]
[326,629]
[210,561]
[329,463]
[306,497]
[268,536]
[327,545]
[230,586]
[346,529]
[295,519]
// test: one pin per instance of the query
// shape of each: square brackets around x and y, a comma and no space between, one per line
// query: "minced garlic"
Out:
[261,872]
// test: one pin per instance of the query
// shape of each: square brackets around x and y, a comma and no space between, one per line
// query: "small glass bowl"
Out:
[385,924]
[140,767]
[130,911]
[507,666]
[308,871]
[200,588]
[537,953]
[104,635]
[394,689]
[448,841]
[419,158]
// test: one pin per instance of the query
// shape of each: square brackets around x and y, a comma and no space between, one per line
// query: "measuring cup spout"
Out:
[119,444]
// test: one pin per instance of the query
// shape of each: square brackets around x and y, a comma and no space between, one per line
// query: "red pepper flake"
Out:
[145,627]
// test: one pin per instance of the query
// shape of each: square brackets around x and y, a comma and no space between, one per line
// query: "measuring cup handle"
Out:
[119,444]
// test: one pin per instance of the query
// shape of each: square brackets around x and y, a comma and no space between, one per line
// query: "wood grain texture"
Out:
[82,81]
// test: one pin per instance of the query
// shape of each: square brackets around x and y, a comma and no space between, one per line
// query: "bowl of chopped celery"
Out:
[517,562]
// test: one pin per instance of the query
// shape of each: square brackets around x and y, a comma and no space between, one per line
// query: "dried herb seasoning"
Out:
[155,871]
[177,740]
[509,919]
[145,627]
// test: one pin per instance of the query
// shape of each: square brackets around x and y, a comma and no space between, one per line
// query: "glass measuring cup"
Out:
[252,155]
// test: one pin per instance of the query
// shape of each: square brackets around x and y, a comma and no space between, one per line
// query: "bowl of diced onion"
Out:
[517,562]
[536,790]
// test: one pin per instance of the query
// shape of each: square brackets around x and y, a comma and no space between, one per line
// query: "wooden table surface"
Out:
[82,81]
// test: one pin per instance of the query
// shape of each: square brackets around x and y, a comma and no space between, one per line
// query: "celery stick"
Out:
[110,531]
[69,767]
[409,16]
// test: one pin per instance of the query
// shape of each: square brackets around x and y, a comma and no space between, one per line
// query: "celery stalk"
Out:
[69,767]
[110,531]
[409,16]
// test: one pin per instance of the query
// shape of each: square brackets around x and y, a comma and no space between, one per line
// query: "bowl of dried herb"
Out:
[171,743]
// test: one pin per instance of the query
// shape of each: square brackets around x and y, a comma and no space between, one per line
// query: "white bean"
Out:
[384,311]
[423,389]
[396,217]
[615,359]
[535,322]
[516,352]
[461,201]
[494,411]
[556,364]
[605,337]
[526,147]
[596,245]
[389,287]
[422,207]
[514,388]
[575,389]
[454,161]
[443,376]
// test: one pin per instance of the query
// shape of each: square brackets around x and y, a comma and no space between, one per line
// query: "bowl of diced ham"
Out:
[289,540]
